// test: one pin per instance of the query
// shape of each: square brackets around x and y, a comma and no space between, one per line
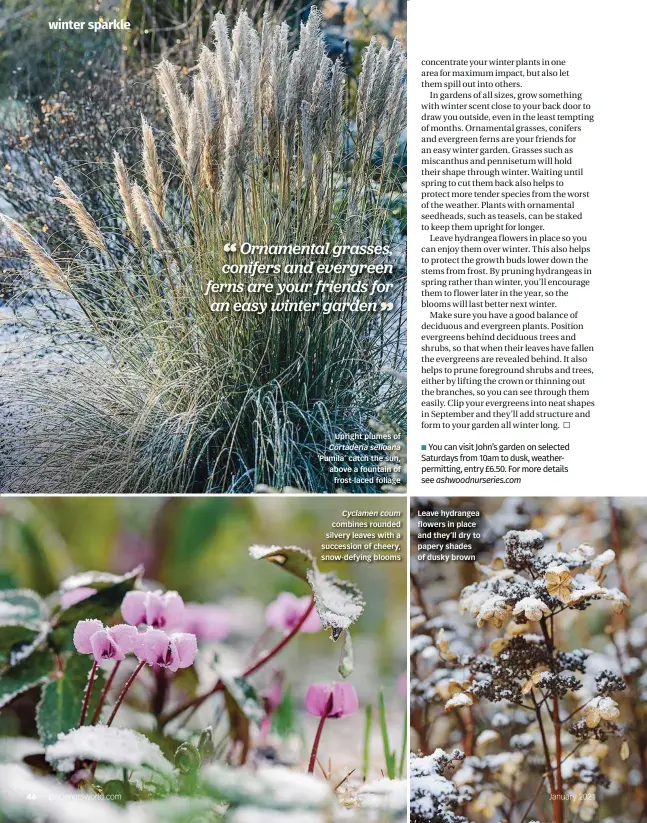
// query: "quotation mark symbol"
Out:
[229,247]
[31,797]
[386,306]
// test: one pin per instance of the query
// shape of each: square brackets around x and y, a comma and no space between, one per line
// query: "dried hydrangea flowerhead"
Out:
[601,708]
[495,609]
[559,583]
[532,608]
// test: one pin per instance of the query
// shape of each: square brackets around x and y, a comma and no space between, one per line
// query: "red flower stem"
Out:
[104,694]
[88,693]
[124,691]
[317,740]
[196,702]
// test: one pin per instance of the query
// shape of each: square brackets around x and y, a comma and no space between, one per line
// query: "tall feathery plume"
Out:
[153,170]
[177,105]
[336,122]
[46,264]
[151,220]
[194,144]
[209,112]
[365,85]
[224,60]
[81,216]
[125,190]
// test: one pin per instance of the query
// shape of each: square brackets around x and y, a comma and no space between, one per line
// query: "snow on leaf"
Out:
[276,788]
[27,797]
[19,640]
[102,605]
[21,606]
[249,815]
[388,796]
[30,672]
[339,603]
[97,580]
[118,747]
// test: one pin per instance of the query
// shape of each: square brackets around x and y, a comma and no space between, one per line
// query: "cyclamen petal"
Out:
[83,634]
[165,611]
[105,647]
[285,612]
[133,608]
[125,636]
[173,652]
[156,609]
[187,648]
[344,700]
[206,621]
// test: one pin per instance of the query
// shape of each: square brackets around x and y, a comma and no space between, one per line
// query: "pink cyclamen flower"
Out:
[114,643]
[170,651]
[206,621]
[344,699]
[285,612]
[75,596]
[156,609]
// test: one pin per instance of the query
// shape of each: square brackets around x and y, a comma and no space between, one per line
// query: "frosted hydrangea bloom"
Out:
[458,701]
[161,610]
[532,607]
[284,613]
[75,596]
[619,600]
[114,643]
[559,582]
[206,621]
[344,699]
[601,708]
[495,609]
[169,651]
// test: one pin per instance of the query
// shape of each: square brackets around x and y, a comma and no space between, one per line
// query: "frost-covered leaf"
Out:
[60,706]
[339,603]
[18,641]
[346,657]
[32,799]
[290,558]
[118,747]
[276,788]
[97,580]
[21,606]
[111,590]
[243,708]
[389,798]
[31,672]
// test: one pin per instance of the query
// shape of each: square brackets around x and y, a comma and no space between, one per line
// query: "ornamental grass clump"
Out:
[158,384]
